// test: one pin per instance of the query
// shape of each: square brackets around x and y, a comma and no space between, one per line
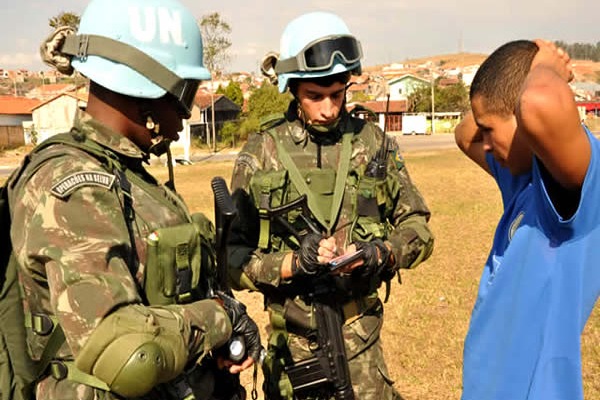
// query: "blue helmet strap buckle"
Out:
[320,54]
[183,90]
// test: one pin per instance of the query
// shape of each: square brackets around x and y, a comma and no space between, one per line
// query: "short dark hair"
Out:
[501,76]
[325,81]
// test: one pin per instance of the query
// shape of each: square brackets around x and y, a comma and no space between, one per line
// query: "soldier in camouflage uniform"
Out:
[318,149]
[114,269]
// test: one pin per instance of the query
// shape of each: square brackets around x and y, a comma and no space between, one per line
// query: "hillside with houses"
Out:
[36,105]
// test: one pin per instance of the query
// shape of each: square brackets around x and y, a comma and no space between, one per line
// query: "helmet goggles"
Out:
[320,54]
[184,95]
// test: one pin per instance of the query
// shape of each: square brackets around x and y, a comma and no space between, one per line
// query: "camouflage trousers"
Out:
[368,370]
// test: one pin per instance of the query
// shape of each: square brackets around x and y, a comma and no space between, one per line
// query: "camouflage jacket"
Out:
[403,218]
[73,245]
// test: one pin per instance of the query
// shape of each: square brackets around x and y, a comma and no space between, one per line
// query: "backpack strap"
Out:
[31,164]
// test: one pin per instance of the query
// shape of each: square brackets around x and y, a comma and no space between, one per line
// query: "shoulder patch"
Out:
[398,159]
[70,183]
[247,161]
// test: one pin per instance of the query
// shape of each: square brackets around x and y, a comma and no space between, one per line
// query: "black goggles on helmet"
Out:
[183,90]
[185,94]
[320,54]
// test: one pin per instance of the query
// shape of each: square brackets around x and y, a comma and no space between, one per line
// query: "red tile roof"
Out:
[203,99]
[79,96]
[378,107]
[11,105]
[358,87]
[45,92]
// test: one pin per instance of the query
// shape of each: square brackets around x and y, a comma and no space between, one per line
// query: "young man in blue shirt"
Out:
[542,277]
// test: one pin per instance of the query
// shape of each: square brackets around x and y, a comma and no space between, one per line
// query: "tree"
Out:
[233,92]
[420,98]
[65,19]
[215,36]
[358,97]
[452,98]
[447,99]
[263,101]
[267,100]
[581,51]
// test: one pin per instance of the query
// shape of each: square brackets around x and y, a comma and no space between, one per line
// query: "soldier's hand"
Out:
[314,252]
[244,327]
[376,256]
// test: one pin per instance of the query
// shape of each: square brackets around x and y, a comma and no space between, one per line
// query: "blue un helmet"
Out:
[140,48]
[314,45]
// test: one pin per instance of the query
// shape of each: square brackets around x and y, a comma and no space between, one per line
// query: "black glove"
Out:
[242,325]
[376,256]
[304,260]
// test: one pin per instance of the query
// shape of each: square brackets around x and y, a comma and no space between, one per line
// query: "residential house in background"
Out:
[358,88]
[56,114]
[202,114]
[375,110]
[468,73]
[15,112]
[50,91]
[401,87]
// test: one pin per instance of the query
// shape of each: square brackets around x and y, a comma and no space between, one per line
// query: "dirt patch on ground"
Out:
[14,156]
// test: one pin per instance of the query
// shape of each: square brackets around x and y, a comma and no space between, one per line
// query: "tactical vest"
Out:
[180,259]
[325,188]
[328,190]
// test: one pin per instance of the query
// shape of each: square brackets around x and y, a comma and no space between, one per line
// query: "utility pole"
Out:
[212,112]
[432,103]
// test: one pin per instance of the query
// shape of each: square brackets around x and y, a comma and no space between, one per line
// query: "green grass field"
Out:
[427,316]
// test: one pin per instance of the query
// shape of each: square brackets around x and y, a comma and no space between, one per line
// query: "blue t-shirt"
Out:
[538,288]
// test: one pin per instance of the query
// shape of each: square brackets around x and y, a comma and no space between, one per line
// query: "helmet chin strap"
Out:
[160,146]
[317,128]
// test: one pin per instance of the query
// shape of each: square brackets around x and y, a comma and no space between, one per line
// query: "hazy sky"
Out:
[390,30]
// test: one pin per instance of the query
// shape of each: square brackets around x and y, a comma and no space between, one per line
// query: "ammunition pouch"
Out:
[370,209]
[272,189]
[175,256]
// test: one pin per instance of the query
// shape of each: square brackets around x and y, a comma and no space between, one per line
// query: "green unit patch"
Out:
[398,159]
[69,184]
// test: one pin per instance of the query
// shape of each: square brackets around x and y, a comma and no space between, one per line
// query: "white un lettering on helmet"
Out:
[147,22]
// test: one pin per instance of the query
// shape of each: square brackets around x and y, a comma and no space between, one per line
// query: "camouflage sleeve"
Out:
[411,238]
[249,266]
[73,247]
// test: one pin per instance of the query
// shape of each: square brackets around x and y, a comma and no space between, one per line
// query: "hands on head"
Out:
[555,58]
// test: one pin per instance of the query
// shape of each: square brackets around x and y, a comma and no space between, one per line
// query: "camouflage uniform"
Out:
[402,221]
[71,238]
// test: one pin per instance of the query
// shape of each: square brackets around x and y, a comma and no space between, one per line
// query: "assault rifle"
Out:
[225,212]
[327,371]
